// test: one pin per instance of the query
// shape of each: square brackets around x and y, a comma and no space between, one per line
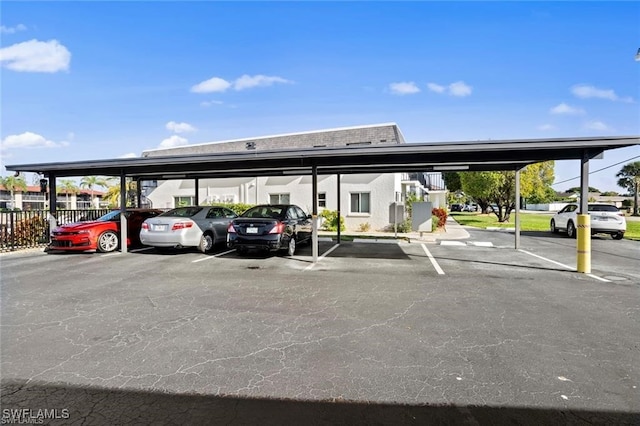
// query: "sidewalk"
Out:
[452,231]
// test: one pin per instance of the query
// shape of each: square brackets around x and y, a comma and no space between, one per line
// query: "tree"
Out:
[452,181]
[68,187]
[13,184]
[113,192]
[499,187]
[629,178]
[577,189]
[90,182]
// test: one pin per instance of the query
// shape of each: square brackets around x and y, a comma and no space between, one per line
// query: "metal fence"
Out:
[25,229]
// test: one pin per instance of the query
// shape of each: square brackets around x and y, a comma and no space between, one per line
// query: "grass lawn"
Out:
[528,222]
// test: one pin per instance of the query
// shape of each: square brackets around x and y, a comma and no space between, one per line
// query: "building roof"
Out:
[375,134]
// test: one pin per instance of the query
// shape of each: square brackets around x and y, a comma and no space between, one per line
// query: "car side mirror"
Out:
[309,216]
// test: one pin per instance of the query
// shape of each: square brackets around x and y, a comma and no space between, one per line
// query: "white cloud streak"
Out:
[36,56]
[404,88]
[220,85]
[173,141]
[129,155]
[584,91]
[12,30]
[596,125]
[30,140]
[565,109]
[180,127]
[546,127]
[458,89]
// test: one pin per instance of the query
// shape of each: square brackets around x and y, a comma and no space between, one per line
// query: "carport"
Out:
[502,155]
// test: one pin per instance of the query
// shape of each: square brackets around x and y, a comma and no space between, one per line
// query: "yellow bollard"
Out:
[584,243]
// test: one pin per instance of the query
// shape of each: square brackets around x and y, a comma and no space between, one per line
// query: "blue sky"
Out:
[86,80]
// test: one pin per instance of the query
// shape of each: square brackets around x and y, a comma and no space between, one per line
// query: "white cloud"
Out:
[247,81]
[129,155]
[565,109]
[30,140]
[584,91]
[12,30]
[596,125]
[207,104]
[180,127]
[214,84]
[36,56]
[173,141]
[217,84]
[404,88]
[545,127]
[436,88]
[459,89]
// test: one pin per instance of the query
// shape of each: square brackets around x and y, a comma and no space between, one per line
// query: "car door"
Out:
[564,215]
[304,223]
[219,219]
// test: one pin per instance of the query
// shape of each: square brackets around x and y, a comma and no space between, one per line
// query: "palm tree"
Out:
[67,186]
[90,182]
[629,178]
[13,184]
[113,192]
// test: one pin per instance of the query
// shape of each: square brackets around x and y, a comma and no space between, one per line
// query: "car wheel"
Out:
[107,242]
[553,227]
[571,230]
[206,242]
[618,236]
[291,247]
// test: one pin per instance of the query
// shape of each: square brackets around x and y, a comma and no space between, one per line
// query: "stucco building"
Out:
[365,198]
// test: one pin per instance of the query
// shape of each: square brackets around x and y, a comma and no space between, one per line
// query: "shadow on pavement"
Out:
[96,406]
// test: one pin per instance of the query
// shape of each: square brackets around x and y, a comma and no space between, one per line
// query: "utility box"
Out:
[421,218]
[396,213]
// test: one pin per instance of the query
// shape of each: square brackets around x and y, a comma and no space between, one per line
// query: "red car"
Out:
[102,234]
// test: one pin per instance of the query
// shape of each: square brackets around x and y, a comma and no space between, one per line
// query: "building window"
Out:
[360,202]
[184,201]
[322,199]
[278,198]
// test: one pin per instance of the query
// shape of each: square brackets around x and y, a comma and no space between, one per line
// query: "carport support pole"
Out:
[338,196]
[584,221]
[314,214]
[196,199]
[123,209]
[138,193]
[53,201]
[517,243]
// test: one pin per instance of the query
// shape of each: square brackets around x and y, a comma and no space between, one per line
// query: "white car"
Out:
[605,219]
[191,226]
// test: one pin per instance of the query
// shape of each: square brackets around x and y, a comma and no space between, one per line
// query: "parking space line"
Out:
[322,256]
[433,260]
[564,266]
[215,255]
[141,249]
[548,260]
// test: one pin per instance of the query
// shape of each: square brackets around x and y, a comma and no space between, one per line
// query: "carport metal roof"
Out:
[471,155]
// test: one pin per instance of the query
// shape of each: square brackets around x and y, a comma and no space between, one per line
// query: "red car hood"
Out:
[79,226]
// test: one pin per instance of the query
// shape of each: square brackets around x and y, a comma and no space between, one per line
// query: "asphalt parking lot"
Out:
[468,331]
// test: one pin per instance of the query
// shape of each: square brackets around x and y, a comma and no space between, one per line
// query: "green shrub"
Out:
[237,208]
[331,220]
[404,227]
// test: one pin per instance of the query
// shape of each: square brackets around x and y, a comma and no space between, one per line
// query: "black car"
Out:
[271,228]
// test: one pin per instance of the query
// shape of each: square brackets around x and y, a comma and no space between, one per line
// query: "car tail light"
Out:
[181,225]
[231,229]
[145,226]
[278,229]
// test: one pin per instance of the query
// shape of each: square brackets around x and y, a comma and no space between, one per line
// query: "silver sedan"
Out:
[192,226]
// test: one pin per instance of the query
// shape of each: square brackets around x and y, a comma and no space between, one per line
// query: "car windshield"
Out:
[602,208]
[265,212]
[112,216]
[182,212]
